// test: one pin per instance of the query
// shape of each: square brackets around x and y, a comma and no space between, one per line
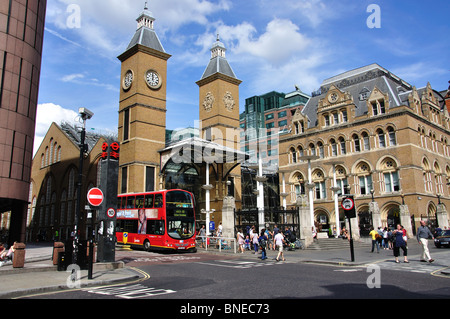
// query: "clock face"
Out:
[153,79]
[128,80]
[333,97]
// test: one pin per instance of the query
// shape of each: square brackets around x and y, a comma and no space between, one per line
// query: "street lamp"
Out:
[85,115]
[335,189]
[310,186]
[207,187]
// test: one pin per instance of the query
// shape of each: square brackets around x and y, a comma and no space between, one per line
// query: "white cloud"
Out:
[72,77]
[277,45]
[47,113]
[105,24]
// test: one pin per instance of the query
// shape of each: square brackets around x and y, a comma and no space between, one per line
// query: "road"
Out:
[201,277]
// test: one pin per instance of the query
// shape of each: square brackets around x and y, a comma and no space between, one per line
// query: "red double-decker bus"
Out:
[157,220]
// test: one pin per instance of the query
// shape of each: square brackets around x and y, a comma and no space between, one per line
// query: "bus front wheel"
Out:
[147,245]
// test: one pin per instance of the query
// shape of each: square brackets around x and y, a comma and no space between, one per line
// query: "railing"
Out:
[221,244]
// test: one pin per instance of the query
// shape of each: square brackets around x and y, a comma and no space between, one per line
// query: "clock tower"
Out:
[142,108]
[219,99]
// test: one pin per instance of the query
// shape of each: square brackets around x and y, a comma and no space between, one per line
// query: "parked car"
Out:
[442,239]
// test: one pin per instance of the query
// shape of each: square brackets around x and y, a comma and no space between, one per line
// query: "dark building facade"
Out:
[21,40]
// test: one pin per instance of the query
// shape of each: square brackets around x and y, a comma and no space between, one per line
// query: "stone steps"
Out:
[335,244]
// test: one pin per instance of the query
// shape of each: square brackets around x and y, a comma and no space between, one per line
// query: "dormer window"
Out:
[378,107]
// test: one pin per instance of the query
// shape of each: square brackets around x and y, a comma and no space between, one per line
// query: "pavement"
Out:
[39,275]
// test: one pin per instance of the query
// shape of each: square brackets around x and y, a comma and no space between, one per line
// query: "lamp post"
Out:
[85,115]
[207,187]
[335,190]
[310,186]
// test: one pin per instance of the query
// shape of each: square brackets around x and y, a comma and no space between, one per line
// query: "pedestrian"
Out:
[275,232]
[279,240]
[202,235]
[385,239]
[400,243]
[255,242]
[247,243]
[314,234]
[423,234]
[263,240]
[240,239]
[375,242]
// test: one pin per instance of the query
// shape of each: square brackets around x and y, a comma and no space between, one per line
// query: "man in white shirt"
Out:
[279,240]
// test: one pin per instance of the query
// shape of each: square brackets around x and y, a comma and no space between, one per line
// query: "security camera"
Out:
[85,113]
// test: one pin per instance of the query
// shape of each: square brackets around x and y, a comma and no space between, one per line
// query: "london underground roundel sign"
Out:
[95,196]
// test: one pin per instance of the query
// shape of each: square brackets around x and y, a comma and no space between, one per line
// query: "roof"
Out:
[196,149]
[74,135]
[218,62]
[218,65]
[359,81]
[146,37]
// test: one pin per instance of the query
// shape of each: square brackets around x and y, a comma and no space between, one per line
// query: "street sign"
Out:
[111,212]
[95,196]
[348,204]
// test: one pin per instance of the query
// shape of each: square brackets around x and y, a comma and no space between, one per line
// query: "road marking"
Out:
[130,291]
[239,264]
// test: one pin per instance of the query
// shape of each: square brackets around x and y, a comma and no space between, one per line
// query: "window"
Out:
[392,182]
[335,118]
[333,148]
[149,179]
[365,184]
[366,140]
[126,125]
[282,123]
[269,116]
[342,145]
[312,149]
[381,138]
[124,180]
[270,125]
[374,108]
[293,155]
[344,116]
[356,143]
[318,180]
[327,120]
[321,150]
[282,114]
[392,137]
[320,190]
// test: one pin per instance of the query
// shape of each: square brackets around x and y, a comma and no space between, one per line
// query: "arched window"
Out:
[321,149]
[392,136]
[333,147]
[366,140]
[343,148]
[312,149]
[293,155]
[356,143]
[364,179]
[427,176]
[438,179]
[381,138]
[390,178]
[318,179]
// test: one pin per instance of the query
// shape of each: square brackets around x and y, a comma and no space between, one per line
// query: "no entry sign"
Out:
[95,196]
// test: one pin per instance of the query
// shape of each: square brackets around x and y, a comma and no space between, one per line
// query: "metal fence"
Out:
[220,244]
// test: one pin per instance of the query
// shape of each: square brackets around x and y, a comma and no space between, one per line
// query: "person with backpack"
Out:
[263,244]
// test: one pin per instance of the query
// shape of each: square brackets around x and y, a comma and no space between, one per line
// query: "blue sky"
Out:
[272,46]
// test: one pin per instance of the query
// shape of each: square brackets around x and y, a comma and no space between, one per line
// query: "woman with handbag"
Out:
[400,243]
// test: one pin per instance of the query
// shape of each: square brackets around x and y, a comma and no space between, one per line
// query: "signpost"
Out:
[348,204]
[95,197]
